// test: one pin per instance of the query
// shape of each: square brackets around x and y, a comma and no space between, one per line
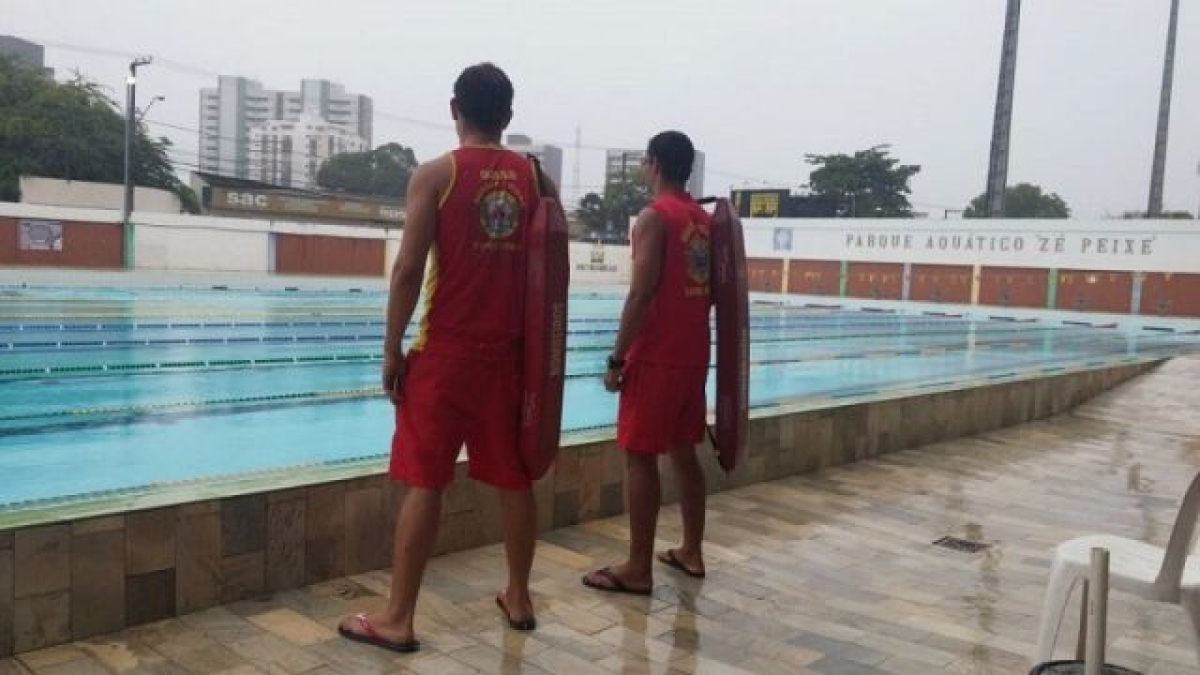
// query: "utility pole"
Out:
[575,191]
[141,114]
[1002,124]
[130,130]
[624,195]
[1158,168]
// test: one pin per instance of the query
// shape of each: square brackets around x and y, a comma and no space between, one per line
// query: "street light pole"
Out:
[141,114]
[130,122]
[997,179]
[1159,165]
[624,196]
[1197,215]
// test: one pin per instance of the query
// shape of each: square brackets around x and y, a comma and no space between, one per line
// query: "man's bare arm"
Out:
[649,243]
[425,190]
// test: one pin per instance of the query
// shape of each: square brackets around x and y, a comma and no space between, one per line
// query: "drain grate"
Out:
[962,545]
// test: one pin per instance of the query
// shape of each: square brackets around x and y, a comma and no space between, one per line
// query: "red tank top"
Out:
[475,284]
[676,330]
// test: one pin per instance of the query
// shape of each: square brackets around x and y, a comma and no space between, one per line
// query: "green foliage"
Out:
[382,172]
[187,198]
[592,211]
[625,200]
[867,184]
[1166,215]
[1023,200]
[73,131]
[609,214]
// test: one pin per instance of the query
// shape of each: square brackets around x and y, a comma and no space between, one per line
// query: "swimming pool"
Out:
[125,391]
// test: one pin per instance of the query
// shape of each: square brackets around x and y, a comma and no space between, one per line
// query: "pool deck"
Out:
[831,572]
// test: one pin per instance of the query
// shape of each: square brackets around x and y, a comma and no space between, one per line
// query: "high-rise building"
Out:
[550,156]
[625,165]
[237,106]
[26,52]
[290,153]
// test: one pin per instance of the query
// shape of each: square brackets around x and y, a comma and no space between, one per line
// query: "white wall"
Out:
[226,244]
[175,248]
[1121,245]
[600,264]
[87,195]
[39,212]
[165,240]
[184,242]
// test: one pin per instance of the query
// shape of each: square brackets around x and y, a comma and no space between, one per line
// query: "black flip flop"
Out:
[524,625]
[615,585]
[671,560]
[370,637]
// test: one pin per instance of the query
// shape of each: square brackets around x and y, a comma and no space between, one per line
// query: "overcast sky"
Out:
[756,83]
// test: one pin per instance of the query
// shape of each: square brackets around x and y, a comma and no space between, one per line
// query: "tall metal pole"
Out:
[130,121]
[624,196]
[1158,168]
[130,102]
[575,191]
[1002,124]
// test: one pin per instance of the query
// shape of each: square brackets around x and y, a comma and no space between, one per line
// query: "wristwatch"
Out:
[614,363]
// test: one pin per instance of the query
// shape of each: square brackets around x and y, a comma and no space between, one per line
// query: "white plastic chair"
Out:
[1136,567]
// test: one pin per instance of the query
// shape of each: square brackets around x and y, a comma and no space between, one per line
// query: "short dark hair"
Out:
[674,153]
[485,95]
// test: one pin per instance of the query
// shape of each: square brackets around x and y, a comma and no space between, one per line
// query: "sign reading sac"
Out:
[283,205]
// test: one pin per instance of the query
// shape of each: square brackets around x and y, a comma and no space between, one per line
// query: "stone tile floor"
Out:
[829,573]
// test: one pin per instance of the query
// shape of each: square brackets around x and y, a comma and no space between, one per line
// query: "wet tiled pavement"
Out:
[832,572]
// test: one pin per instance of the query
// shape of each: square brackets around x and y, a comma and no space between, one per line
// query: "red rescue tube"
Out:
[547,276]
[732,302]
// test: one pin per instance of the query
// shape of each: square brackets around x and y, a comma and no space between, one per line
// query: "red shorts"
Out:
[449,401]
[662,407]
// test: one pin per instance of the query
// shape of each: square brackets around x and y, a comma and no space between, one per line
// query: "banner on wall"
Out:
[783,239]
[40,235]
[597,263]
[283,205]
[1156,246]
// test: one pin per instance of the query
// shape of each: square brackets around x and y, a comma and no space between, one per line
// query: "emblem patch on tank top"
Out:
[499,211]
[697,255]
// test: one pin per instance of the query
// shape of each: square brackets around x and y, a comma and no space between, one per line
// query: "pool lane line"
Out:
[325,394]
[166,316]
[82,422]
[179,342]
[272,339]
[85,327]
[1063,340]
[81,327]
[182,366]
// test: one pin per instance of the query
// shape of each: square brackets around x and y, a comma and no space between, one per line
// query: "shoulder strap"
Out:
[539,175]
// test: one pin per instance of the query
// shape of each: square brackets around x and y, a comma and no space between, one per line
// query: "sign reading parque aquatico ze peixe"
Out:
[284,205]
[1080,244]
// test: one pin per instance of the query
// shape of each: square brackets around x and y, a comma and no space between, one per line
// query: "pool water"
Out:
[115,391]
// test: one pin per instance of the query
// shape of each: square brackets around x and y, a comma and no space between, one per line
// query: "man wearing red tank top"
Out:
[660,366]
[459,383]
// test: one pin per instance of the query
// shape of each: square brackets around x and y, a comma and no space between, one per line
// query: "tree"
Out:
[1166,215]
[1023,200]
[73,131]
[625,200]
[868,184]
[610,213]
[382,172]
[592,211]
